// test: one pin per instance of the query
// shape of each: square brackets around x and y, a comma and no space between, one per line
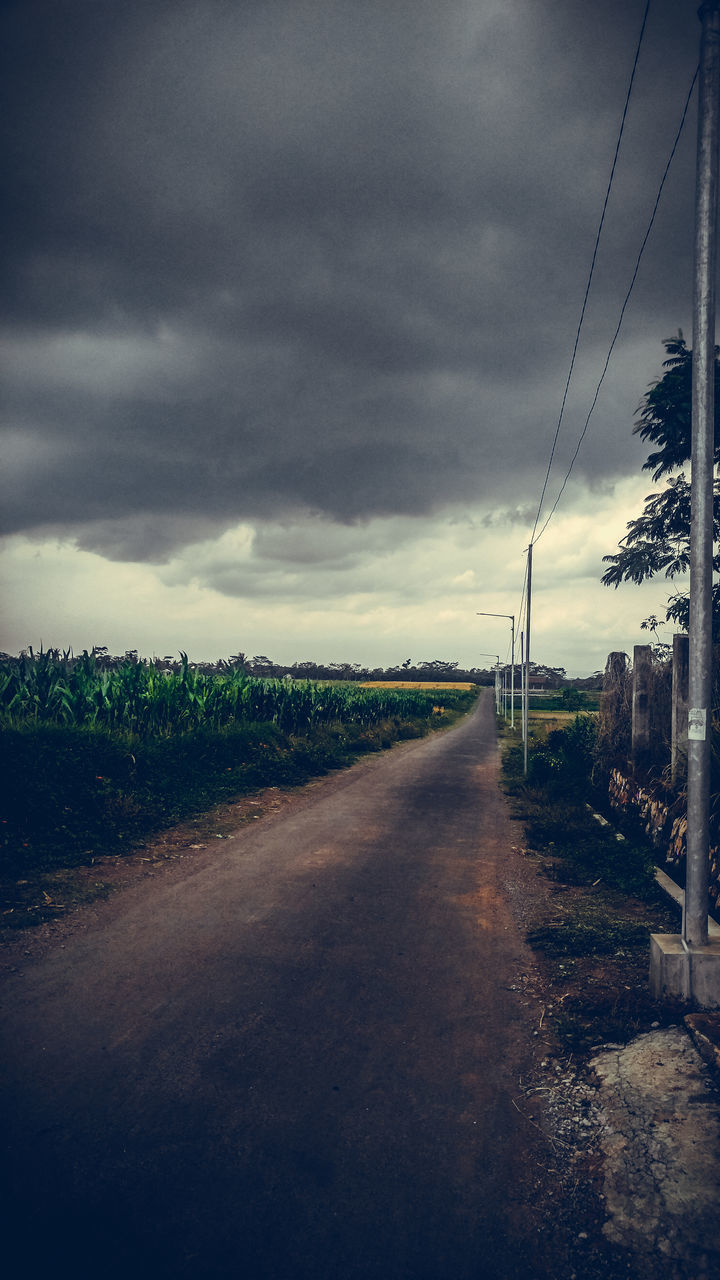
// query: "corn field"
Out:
[147,700]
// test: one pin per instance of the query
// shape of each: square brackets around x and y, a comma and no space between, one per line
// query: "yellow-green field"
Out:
[416,684]
[559,717]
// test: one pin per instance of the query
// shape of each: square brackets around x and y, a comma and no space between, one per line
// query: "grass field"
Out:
[555,719]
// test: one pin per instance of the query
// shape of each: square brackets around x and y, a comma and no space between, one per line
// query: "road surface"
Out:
[296,1058]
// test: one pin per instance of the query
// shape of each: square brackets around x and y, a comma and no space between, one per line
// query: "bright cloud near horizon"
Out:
[290,292]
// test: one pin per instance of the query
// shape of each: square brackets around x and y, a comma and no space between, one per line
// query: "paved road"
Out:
[297,1059]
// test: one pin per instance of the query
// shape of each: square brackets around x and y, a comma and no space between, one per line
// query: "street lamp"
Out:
[511,616]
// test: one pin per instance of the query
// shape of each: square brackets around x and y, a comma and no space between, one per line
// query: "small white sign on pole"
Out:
[697,724]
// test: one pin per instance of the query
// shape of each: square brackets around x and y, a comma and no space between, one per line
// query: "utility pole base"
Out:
[684,972]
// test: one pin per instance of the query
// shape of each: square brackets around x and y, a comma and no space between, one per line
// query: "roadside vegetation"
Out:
[98,756]
[567,699]
[592,930]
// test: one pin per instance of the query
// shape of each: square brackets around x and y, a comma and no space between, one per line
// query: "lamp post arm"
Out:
[482,613]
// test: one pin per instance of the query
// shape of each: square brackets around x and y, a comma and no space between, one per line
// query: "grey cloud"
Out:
[147,537]
[323,258]
[324,542]
[521,515]
[315,559]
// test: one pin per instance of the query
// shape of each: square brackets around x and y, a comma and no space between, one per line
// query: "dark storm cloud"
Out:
[264,259]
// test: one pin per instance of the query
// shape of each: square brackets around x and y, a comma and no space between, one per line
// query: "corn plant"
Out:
[143,699]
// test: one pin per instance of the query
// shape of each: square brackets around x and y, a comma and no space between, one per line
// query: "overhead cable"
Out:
[646,237]
[592,268]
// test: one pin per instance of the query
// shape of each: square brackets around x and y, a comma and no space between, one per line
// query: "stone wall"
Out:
[664,821]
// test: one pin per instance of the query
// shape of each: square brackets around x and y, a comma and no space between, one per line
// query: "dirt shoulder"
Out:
[630,1085]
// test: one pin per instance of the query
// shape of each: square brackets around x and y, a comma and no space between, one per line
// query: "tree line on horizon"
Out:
[263,667]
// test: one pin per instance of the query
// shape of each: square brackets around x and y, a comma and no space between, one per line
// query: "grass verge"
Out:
[591,931]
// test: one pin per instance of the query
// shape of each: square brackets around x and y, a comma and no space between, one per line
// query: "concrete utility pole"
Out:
[526,692]
[695,929]
[680,673]
[689,966]
[511,616]
[522,687]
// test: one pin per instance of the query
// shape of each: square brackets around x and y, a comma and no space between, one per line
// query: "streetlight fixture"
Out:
[511,616]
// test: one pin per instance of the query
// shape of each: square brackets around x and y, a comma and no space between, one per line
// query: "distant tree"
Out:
[553,676]
[264,667]
[658,541]
[346,671]
[304,670]
[438,669]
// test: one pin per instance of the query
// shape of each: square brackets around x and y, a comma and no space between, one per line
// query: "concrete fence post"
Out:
[680,677]
[642,675]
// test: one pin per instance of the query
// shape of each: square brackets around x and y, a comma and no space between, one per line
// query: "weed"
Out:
[595,956]
[611,1016]
[578,937]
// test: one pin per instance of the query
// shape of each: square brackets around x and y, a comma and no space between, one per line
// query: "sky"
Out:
[289,296]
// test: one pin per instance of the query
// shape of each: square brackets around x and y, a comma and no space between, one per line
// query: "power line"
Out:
[592,267]
[622,311]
